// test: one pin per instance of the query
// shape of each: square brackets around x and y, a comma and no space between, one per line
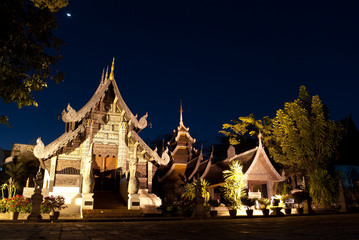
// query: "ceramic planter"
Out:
[233,213]
[213,213]
[288,211]
[54,216]
[249,212]
[14,215]
[265,212]
[300,211]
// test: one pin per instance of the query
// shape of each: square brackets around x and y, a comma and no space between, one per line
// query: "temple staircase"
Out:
[108,205]
[112,214]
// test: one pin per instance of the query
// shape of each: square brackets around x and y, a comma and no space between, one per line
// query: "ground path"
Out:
[340,226]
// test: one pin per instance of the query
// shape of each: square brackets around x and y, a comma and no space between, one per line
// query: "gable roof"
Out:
[70,115]
[44,152]
[249,160]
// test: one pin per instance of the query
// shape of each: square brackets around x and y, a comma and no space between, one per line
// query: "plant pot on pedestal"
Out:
[249,212]
[288,211]
[277,211]
[213,213]
[300,211]
[54,216]
[14,215]
[265,212]
[233,213]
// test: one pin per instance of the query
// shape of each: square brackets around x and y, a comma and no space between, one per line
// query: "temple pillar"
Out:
[133,196]
[52,172]
[149,176]
[269,188]
[121,155]
[88,181]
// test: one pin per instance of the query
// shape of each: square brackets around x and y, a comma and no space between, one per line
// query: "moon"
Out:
[68,14]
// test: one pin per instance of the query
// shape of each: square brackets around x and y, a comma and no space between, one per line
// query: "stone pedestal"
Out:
[199,211]
[87,201]
[306,207]
[133,202]
[36,199]
[149,202]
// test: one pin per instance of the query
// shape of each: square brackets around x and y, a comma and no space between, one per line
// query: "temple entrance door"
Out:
[105,173]
[105,196]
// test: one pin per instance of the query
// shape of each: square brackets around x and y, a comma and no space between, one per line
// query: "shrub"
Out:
[234,184]
[265,202]
[300,196]
[248,202]
[323,188]
[53,203]
[17,203]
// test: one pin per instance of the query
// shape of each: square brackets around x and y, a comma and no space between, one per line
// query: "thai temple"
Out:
[188,164]
[100,161]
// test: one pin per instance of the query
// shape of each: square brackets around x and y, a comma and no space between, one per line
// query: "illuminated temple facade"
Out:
[101,157]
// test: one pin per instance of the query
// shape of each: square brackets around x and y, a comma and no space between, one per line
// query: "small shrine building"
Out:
[260,172]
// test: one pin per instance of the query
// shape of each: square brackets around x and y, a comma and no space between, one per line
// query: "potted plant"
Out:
[185,208]
[287,206]
[189,196]
[15,205]
[265,202]
[299,197]
[248,202]
[2,205]
[55,204]
[213,212]
[234,183]
[232,208]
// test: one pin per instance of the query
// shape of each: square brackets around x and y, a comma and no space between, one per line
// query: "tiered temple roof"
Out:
[186,160]
[79,120]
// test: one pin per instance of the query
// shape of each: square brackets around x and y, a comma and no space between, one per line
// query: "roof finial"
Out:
[103,72]
[106,74]
[181,111]
[112,75]
[260,139]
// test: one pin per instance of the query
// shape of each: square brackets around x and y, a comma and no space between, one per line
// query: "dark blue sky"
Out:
[224,59]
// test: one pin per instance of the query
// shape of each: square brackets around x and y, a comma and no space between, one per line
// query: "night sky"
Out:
[224,59]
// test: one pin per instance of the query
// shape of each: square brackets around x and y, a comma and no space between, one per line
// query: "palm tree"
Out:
[234,184]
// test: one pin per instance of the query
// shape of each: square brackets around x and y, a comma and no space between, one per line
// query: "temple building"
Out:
[100,161]
[260,172]
[187,164]
[183,163]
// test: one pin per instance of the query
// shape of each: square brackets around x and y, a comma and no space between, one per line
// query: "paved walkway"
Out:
[342,226]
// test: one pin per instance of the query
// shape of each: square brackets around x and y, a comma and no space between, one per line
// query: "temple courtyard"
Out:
[335,226]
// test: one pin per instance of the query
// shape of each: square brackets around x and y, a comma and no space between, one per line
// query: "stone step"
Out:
[110,213]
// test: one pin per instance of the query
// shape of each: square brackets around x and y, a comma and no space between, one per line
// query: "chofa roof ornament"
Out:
[165,158]
[143,121]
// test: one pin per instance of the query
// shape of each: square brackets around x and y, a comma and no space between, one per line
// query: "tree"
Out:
[300,137]
[246,129]
[303,136]
[27,59]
